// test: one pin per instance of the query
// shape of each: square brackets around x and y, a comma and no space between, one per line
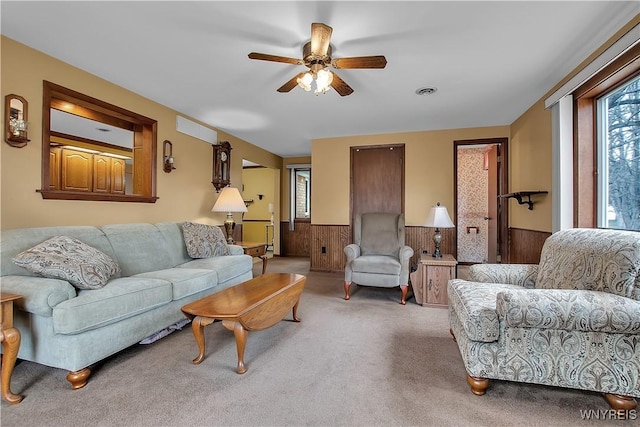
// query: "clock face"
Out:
[223,156]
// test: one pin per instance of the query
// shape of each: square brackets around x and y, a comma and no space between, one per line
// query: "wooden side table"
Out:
[10,338]
[431,278]
[258,250]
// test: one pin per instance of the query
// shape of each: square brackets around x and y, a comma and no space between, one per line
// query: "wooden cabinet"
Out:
[75,170]
[54,168]
[430,280]
[108,174]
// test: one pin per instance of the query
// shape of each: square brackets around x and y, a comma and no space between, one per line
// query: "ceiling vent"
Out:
[426,90]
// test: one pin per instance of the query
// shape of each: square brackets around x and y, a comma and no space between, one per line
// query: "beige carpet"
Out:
[365,362]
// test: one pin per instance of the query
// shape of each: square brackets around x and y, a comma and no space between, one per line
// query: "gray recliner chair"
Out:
[378,257]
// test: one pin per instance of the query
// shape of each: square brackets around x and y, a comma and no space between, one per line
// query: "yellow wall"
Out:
[259,181]
[530,168]
[184,194]
[429,171]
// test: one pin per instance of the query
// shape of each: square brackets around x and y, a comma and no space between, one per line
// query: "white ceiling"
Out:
[489,61]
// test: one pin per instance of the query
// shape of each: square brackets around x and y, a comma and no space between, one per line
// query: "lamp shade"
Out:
[438,218]
[229,200]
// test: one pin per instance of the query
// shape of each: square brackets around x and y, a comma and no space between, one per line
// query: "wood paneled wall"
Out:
[525,246]
[335,237]
[296,242]
[421,238]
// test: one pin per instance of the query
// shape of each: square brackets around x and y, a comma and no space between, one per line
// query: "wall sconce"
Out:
[167,155]
[15,121]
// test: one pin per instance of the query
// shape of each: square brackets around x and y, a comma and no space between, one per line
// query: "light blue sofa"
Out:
[72,329]
[573,320]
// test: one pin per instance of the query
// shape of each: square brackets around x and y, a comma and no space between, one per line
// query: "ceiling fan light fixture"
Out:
[305,81]
[323,81]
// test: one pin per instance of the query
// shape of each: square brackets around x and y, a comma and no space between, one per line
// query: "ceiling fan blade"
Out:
[320,38]
[378,61]
[275,58]
[290,84]
[341,86]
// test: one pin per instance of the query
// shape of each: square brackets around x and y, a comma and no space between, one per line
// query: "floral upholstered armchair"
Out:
[571,321]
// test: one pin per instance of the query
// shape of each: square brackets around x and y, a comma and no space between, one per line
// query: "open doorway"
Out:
[481,216]
[261,194]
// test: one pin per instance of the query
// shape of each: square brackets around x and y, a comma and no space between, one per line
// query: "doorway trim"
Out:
[503,205]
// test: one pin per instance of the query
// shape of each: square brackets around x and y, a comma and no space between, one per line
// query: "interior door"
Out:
[377,179]
[492,203]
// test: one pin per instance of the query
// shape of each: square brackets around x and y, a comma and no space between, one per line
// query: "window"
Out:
[618,157]
[302,193]
[299,194]
[607,146]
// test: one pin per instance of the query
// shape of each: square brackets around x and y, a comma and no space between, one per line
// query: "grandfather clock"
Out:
[221,165]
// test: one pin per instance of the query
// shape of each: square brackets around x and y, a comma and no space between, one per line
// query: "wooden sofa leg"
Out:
[404,289]
[346,290]
[478,385]
[618,402]
[79,378]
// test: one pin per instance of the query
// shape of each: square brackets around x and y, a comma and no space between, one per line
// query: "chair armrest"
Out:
[405,254]
[568,309]
[40,294]
[352,252]
[514,274]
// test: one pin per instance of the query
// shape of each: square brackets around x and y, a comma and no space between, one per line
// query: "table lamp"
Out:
[438,218]
[229,201]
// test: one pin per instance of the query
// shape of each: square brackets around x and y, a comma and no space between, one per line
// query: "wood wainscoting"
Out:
[334,238]
[296,242]
[525,246]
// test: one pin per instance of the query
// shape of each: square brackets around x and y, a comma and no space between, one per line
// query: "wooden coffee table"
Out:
[256,304]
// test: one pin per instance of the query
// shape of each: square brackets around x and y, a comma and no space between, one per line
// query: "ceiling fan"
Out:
[316,54]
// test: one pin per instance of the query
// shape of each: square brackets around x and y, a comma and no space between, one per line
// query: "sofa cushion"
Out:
[226,267]
[185,281]
[204,241]
[172,233]
[119,299]
[593,260]
[475,304]
[376,264]
[139,247]
[67,258]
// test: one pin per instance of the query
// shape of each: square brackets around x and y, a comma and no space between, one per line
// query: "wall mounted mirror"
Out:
[92,150]
[15,120]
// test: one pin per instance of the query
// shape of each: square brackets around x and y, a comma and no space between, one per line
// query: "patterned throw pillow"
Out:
[67,258]
[204,241]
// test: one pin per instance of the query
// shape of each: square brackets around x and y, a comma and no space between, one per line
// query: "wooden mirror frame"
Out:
[11,139]
[144,144]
